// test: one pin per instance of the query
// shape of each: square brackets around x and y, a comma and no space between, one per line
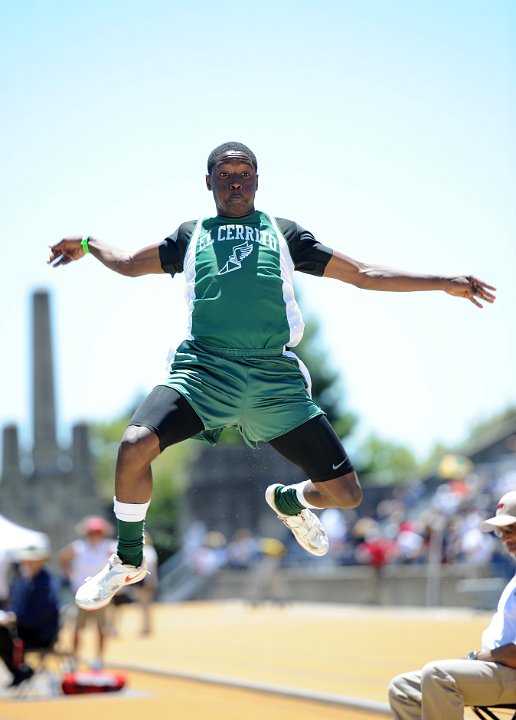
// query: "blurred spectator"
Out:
[83,558]
[401,528]
[193,538]
[410,544]
[446,500]
[4,579]
[266,582]
[374,550]
[410,494]
[242,550]
[145,591]
[505,483]
[207,560]
[476,547]
[443,688]
[334,522]
[32,617]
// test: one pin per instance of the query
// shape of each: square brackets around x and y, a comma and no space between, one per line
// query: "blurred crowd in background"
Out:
[404,528]
[411,524]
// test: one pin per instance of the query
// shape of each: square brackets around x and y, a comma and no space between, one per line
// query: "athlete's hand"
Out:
[65,251]
[471,288]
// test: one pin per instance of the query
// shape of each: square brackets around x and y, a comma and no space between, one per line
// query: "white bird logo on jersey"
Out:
[235,259]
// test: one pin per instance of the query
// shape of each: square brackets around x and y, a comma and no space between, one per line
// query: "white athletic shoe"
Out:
[97,591]
[306,527]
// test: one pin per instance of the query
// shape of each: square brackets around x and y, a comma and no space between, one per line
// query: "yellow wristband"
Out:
[84,244]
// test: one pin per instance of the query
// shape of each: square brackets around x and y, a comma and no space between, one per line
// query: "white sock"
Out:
[299,488]
[130,512]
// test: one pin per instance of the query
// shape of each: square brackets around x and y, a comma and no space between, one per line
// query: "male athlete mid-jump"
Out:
[236,366]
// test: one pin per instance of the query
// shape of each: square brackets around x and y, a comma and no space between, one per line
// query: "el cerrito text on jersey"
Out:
[239,278]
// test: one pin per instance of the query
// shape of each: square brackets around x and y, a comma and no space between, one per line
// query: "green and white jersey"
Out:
[239,278]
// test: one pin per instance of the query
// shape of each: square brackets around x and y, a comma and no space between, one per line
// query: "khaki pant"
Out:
[442,689]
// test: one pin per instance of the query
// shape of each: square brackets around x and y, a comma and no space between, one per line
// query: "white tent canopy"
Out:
[16,537]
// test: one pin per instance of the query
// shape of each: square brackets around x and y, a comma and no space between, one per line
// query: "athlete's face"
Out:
[233,182]
[508,535]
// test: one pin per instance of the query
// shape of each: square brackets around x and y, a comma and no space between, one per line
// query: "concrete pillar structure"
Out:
[59,489]
[83,472]
[45,452]
[11,451]
[81,454]
[15,501]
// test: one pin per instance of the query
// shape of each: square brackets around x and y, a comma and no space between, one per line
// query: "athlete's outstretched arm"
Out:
[133,264]
[377,277]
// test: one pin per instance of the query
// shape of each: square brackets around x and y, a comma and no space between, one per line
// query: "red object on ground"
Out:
[92,681]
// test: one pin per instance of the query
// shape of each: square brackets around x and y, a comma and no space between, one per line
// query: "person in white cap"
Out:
[442,688]
[32,616]
[81,559]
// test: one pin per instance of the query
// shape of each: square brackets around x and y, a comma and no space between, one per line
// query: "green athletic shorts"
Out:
[263,393]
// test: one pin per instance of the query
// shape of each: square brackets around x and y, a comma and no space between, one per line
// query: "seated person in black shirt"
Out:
[32,617]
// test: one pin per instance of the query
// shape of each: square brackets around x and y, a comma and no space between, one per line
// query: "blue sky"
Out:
[385,127]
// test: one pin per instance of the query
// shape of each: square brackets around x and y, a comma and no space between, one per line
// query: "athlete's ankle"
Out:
[291,500]
[130,556]
[287,502]
[130,523]
[130,542]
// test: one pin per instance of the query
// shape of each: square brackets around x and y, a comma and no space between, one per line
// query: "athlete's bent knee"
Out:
[352,490]
[342,492]
[139,445]
[356,491]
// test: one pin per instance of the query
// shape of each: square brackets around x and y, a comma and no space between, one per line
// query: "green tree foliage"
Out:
[385,462]
[327,382]
[430,463]
[483,429]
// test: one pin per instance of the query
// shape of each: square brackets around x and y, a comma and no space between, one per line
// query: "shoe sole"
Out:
[98,605]
[269,499]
